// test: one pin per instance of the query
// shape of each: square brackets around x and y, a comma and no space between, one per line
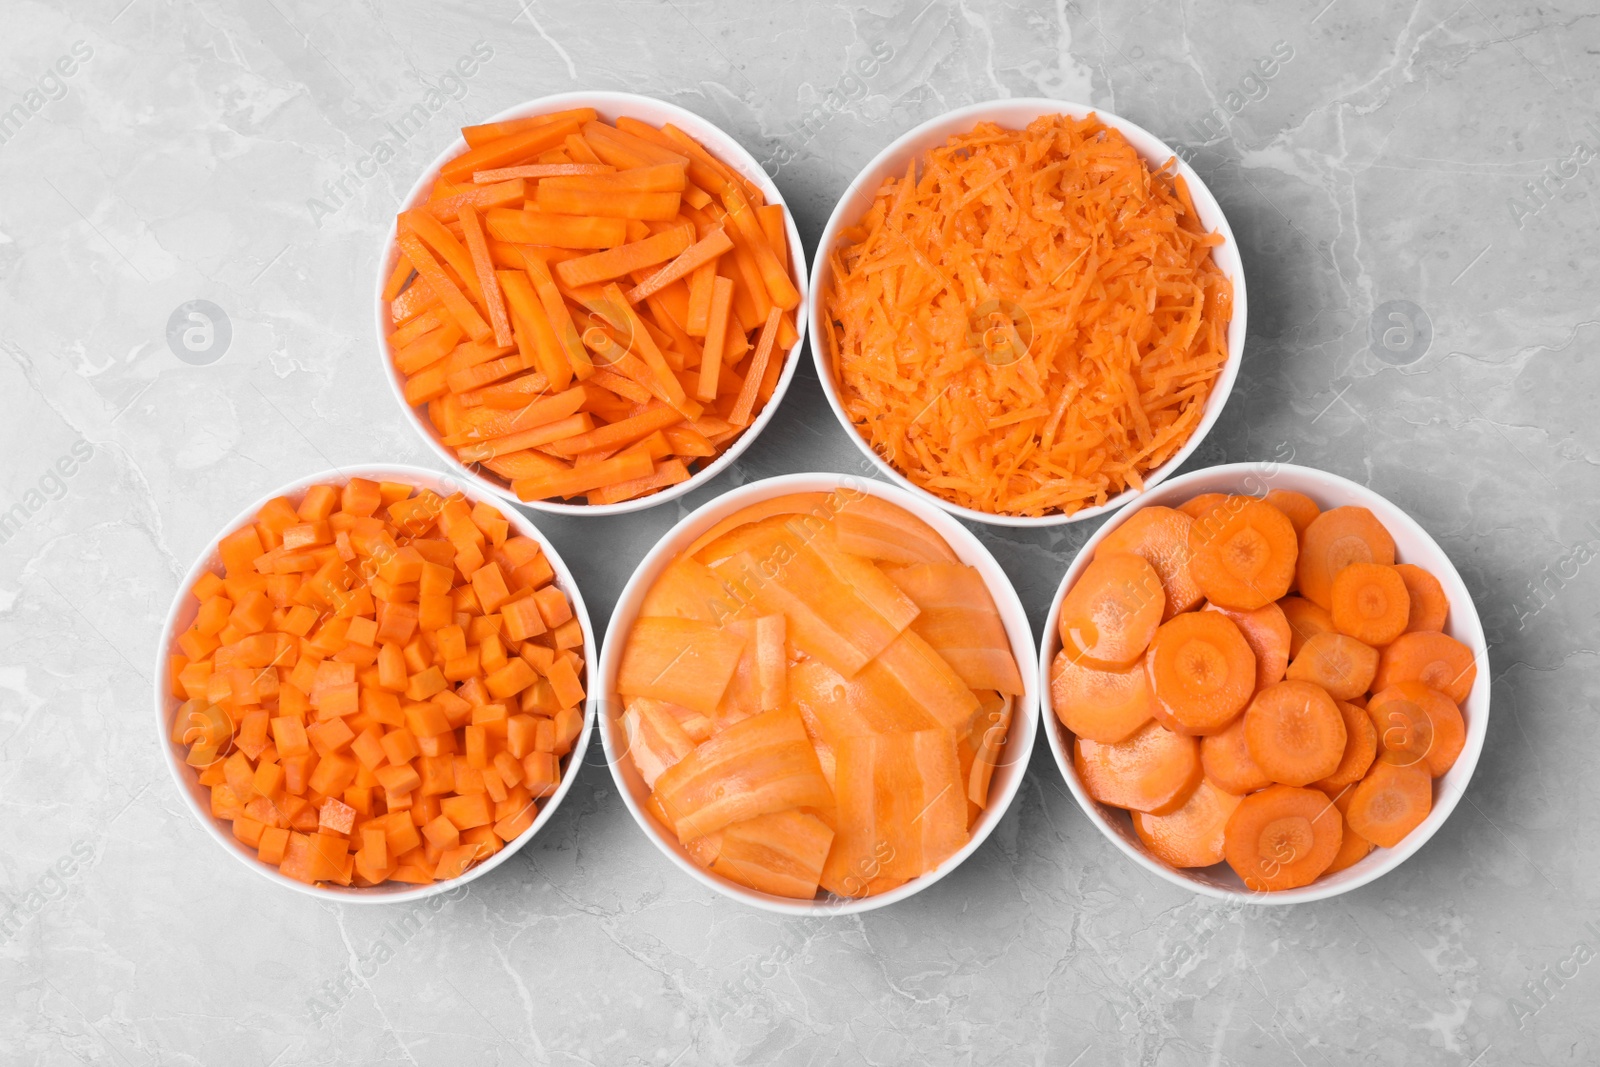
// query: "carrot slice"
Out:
[1390,802]
[1197,506]
[870,526]
[1194,835]
[1242,553]
[1226,759]
[1341,665]
[1334,540]
[958,618]
[1112,611]
[1434,659]
[1161,536]
[1202,672]
[781,853]
[1360,748]
[1306,620]
[1429,605]
[1416,724]
[1370,603]
[1295,733]
[1353,848]
[1282,838]
[1266,631]
[1104,706]
[1154,770]
[1300,508]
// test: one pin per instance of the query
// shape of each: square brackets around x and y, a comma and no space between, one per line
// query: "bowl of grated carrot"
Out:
[819,694]
[548,292]
[1265,682]
[1027,311]
[372,684]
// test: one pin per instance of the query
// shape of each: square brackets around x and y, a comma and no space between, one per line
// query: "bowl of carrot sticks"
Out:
[548,297]
[1265,681]
[1028,311]
[819,694]
[373,685]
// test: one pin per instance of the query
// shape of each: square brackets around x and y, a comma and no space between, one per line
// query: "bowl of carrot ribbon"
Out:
[1265,682]
[1028,311]
[550,288]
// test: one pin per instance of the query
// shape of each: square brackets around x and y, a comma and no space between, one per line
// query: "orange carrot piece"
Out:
[1161,536]
[1429,605]
[1334,540]
[555,231]
[623,259]
[1340,664]
[535,437]
[1226,759]
[509,149]
[655,178]
[1154,770]
[478,136]
[1390,802]
[1370,603]
[617,434]
[1242,553]
[1360,748]
[555,309]
[1282,838]
[1266,631]
[397,278]
[666,473]
[1434,659]
[704,251]
[698,319]
[670,389]
[1112,611]
[1299,508]
[539,170]
[1417,724]
[458,305]
[472,232]
[1103,706]
[623,467]
[774,275]
[1295,733]
[1195,834]
[1306,620]
[716,331]
[658,207]
[745,402]
[1202,672]
[479,198]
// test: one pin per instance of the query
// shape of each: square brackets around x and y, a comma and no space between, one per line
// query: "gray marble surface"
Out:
[1439,153]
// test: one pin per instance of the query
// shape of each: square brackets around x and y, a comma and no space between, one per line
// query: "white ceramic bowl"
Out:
[1019,743]
[181,616]
[1412,545]
[1016,114]
[610,105]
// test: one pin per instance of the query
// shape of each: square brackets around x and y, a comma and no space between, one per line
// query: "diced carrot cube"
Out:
[290,737]
[541,773]
[362,631]
[318,503]
[268,779]
[400,747]
[442,833]
[553,605]
[397,778]
[564,681]
[454,863]
[425,684]
[515,824]
[467,811]
[368,748]
[336,815]
[271,845]
[426,719]
[568,725]
[521,738]
[333,773]
[239,550]
[511,679]
[489,583]
[330,736]
[523,618]
[508,767]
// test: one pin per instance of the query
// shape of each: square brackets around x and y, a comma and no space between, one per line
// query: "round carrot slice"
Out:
[1242,553]
[1390,802]
[1360,746]
[1104,706]
[1153,771]
[1225,757]
[1197,506]
[1282,838]
[1300,508]
[1111,612]
[1295,733]
[1161,536]
[1334,540]
[1436,660]
[1201,671]
[1266,631]
[1193,835]
[1430,607]
[1417,725]
[1353,848]
[1370,603]
[1340,664]
[1306,620]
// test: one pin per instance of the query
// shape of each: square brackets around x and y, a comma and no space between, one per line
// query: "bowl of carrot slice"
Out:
[547,297]
[819,694]
[1265,681]
[1028,311]
[372,684]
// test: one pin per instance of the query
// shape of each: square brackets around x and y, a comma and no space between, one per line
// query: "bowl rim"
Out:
[1465,625]
[727,150]
[181,606]
[1024,721]
[1004,111]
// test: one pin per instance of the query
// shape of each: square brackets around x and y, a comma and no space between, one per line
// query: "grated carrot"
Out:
[1028,321]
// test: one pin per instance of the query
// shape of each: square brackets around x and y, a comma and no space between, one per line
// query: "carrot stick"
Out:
[716,331]
[772,225]
[450,250]
[617,434]
[457,304]
[484,269]
[485,424]
[667,472]
[661,207]
[541,339]
[478,136]
[625,466]
[615,262]
[533,438]
[656,178]
[504,151]
[481,198]
[774,275]
[702,252]
[557,231]
[426,322]
[428,349]
[641,342]
[416,298]
[540,170]
[746,400]
[699,313]
[397,278]
[555,309]
[622,386]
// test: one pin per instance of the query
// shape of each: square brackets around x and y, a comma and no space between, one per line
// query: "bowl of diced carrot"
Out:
[1027,311]
[1265,681]
[547,297]
[819,694]
[372,684]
